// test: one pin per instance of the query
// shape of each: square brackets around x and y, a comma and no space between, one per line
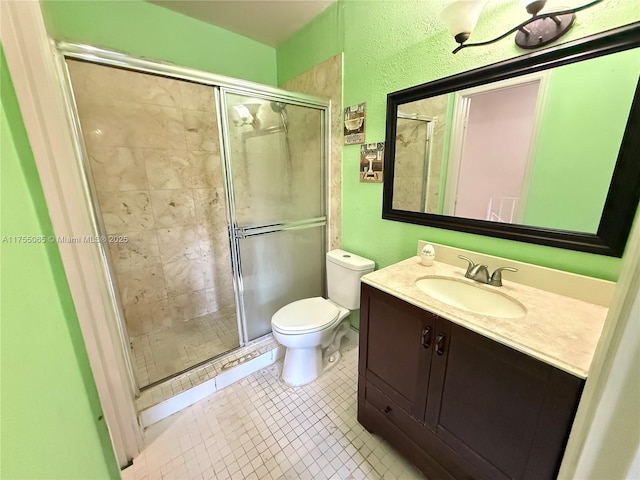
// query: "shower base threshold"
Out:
[171,396]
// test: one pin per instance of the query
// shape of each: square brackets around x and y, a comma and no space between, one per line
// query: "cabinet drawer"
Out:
[392,411]
[441,457]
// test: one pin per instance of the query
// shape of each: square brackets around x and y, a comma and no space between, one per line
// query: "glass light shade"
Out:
[243,112]
[533,6]
[461,16]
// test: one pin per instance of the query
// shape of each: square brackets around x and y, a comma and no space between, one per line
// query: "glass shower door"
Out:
[275,155]
[152,163]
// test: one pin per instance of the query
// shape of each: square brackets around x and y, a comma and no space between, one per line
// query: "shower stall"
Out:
[413,159]
[211,194]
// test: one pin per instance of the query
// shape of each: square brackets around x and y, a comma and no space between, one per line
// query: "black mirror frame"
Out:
[624,191]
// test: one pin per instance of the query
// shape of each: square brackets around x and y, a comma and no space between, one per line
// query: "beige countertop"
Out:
[558,330]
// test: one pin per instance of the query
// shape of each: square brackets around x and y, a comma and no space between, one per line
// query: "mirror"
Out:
[536,149]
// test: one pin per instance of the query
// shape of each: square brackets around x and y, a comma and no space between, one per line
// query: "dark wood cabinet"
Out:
[456,403]
[404,380]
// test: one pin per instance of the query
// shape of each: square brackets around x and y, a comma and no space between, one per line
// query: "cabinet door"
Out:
[497,407]
[395,348]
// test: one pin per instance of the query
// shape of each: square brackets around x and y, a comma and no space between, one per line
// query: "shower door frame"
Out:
[117,413]
[430,121]
[237,232]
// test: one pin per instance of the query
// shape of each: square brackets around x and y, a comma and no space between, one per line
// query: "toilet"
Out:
[312,328]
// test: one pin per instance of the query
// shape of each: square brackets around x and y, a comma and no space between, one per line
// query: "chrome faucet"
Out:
[477,272]
[496,277]
[480,273]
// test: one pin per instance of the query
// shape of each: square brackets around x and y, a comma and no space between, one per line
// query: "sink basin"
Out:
[467,296]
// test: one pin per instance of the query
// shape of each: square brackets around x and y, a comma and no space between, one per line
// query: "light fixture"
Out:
[246,114]
[541,29]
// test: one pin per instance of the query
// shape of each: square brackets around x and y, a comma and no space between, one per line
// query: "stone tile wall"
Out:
[155,161]
[325,80]
[410,152]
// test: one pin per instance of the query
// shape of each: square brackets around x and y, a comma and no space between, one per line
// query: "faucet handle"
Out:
[470,266]
[496,277]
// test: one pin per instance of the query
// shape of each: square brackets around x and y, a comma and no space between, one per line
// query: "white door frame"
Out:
[460,118]
[606,410]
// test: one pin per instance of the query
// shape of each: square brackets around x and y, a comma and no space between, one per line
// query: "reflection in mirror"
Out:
[419,144]
[536,150]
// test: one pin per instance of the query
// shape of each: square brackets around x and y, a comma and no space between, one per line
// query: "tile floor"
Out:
[261,429]
[196,376]
[163,353]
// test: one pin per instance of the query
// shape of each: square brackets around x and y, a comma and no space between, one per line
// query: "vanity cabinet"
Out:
[456,403]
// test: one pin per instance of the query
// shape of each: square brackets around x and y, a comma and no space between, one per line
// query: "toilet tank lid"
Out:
[350,260]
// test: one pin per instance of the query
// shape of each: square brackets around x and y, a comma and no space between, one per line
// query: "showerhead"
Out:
[278,106]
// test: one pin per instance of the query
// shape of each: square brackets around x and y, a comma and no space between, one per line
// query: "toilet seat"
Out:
[305,316]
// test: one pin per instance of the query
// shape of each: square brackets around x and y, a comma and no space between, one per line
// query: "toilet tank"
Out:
[344,270]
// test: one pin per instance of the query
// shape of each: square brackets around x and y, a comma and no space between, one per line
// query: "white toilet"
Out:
[312,328]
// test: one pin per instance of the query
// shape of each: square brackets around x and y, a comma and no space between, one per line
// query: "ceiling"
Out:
[266,21]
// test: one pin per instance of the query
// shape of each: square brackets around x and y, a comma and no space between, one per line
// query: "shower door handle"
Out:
[254,230]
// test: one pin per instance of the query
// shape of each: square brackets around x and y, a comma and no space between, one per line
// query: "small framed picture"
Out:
[371,161]
[354,124]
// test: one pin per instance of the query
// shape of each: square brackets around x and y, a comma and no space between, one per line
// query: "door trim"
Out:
[461,106]
[36,77]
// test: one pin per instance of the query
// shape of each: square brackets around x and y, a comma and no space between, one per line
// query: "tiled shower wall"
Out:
[155,160]
[410,155]
[276,172]
[325,80]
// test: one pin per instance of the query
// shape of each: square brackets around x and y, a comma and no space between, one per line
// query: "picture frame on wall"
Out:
[371,162]
[354,124]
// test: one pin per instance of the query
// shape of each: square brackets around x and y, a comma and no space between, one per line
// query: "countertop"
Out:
[557,330]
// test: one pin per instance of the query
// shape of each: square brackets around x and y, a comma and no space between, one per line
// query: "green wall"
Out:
[321,38]
[390,45]
[584,118]
[144,29]
[583,121]
[52,425]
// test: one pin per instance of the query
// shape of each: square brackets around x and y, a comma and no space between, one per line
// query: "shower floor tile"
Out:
[194,377]
[164,353]
[261,429]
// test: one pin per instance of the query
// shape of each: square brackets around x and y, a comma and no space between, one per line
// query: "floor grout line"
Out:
[261,429]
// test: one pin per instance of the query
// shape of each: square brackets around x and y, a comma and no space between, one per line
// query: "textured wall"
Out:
[392,45]
[581,131]
[144,29]
[321,39]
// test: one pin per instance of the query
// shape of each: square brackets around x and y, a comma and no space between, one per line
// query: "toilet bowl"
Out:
[312,328]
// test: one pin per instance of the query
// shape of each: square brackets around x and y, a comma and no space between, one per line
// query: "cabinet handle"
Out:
[440,343]
[426,337]
[387,409]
